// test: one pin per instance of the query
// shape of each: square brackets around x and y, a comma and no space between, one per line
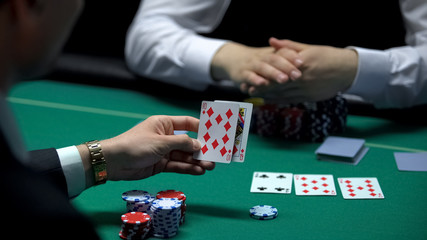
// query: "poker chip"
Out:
[307,121]
[135,196]
[175,194]
[138,200]
[135,225]
[263,212]
[166,215]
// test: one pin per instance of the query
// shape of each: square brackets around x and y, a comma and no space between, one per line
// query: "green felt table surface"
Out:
[57,114]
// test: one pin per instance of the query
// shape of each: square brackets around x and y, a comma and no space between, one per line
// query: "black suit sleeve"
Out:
[46,162]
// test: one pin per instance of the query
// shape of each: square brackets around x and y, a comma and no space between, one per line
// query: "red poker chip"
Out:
[135,218]
[171,194]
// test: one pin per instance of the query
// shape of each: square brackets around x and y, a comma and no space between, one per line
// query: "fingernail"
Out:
[295,74]
[298,62]
[282,78]
[196,144]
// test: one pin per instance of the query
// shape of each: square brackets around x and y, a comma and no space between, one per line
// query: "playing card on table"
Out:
[342,149]
[217,130]
[311,184]
[242,130]
[360,188]
[271,182]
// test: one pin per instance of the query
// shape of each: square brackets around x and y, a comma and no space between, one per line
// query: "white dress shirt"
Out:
[163,43]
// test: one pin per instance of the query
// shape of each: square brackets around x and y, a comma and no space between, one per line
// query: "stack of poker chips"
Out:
[263,212]
[308,121]
[166,215]
[135,225]
[175,194]
[138,200]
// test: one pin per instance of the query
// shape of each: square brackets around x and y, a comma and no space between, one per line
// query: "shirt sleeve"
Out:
[163,42]
[396,77]
[73,169]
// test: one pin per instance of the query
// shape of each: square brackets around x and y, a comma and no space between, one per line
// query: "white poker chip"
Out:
[136,196]
[263,212]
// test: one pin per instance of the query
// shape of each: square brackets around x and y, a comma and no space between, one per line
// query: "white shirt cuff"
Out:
[73,169]
[198,60]
[372,77]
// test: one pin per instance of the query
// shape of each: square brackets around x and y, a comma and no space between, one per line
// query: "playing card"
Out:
[342,149]
[242,130]
[217,131]
[360,188]
[271,182]
[411,161]
[311,184]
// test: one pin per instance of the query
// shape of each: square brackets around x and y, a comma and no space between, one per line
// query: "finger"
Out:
[255,79]
[269,71]
[180,156]
[277,44]
[185,123]
[244,87]
[180,142]
[183,167]
[291,55]
[283,63]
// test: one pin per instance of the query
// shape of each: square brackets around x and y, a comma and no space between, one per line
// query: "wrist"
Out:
[93,162]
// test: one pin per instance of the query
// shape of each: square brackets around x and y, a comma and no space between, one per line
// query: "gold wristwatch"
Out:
[98,162]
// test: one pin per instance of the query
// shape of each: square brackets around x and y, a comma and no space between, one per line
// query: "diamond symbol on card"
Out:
[368,181]
[371,190]
[305,191]
[227,126]
[326,191]
[349,186]
[225,138]
[315,188]
[303,178]
[223,151]
[373,194]
[206,137]
[208,124]
[210,112]
[314,181]
[235,150]
[218,119]
[348,181]
[304,184]
[325,184]
[324,178]
[352,194]
[350,190]
[215,144]
[204,149]
[229,113]
[369,185]
[360,188]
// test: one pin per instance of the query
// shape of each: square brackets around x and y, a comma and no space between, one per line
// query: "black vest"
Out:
[373,24]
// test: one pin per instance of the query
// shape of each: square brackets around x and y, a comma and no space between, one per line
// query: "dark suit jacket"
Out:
[35,201]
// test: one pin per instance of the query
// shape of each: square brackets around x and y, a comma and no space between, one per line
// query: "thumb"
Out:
[181,142]
[285,43]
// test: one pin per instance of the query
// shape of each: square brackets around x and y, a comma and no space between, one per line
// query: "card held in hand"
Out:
[217,131]
[242,130]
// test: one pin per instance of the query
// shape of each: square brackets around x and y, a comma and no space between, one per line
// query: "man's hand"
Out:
[254,66]
[325,72]
[150,148]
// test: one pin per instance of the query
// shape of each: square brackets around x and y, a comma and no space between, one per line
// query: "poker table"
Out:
[58,114]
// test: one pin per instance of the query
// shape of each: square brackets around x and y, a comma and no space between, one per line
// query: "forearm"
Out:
[395,78]
[164,45]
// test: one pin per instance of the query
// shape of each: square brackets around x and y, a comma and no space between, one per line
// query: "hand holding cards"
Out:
[223,131]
